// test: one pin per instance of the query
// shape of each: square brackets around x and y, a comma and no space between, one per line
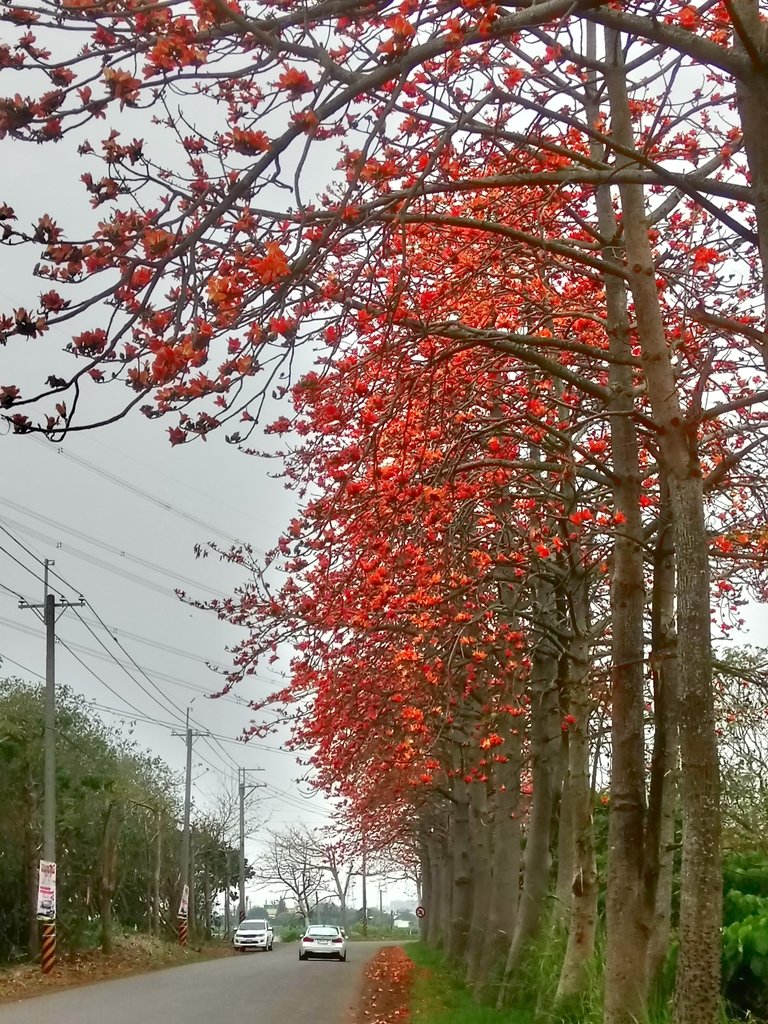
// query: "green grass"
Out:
[439,996]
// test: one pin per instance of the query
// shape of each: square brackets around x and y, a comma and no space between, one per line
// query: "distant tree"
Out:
[290,860]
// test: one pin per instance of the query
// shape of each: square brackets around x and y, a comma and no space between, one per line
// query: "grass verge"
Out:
[133,954]
[439,995]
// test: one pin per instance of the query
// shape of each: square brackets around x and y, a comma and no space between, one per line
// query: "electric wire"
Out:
[15,593]
[138,715]
[103,545]
[146,495]
[19,562]
[168,706]
[52,572]
[183,483]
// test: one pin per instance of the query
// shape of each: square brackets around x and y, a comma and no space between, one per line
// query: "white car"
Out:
[323,940]
[253,934]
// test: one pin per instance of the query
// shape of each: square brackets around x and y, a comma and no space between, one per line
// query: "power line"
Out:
[138,715]
[15,593]
[183,483]
[163,701]
[19,562]
[98,678]
[146,495]
[111,548]
[25,668]
[109,656]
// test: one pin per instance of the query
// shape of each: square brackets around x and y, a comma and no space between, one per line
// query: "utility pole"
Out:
[226,903]
[241,774]
[49,606]
[365,889]
[189,734]
[241,792]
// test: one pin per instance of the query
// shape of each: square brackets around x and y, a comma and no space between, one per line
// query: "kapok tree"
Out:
[438,79]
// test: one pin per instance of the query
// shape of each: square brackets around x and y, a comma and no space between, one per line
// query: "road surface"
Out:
[252,988]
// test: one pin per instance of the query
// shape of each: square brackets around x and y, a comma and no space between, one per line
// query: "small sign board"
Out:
[184,905]
[421,912]
[46,891]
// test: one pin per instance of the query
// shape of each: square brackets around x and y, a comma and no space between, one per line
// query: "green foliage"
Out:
[290,934]
[439,996]
[97,772]
[745,933]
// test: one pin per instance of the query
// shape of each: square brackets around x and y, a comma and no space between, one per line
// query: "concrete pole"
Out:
[365,890]
[241,787]
[184,866]
[49,773]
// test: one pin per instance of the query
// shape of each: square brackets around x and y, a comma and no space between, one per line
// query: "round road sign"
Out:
[420,912]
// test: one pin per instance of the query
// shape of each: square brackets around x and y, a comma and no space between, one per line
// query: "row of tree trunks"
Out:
[482,886]
[505,860]
[698,973]
[544,743]
[113,820]
[577,799]
[463,871]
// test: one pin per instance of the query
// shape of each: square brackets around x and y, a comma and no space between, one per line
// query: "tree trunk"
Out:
[442,884]
[156,877]
[566,837]
[480,834]
[461,898]
[113,820]
[666,749]
[626,938]
[697,993]
[574,974]
[752,103]
[207,897]
[426,897]
[545,735]
[506,859]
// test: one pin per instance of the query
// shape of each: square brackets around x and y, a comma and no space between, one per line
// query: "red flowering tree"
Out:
[649,184]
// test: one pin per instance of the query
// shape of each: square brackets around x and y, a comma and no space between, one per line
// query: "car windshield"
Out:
[253,926]
[328,931]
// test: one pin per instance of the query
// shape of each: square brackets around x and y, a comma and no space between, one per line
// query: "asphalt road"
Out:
[252,988]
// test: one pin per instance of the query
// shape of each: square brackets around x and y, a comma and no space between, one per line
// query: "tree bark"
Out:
[507,855]
[574,974]
[752,103]
[439,911]
[666,750]
[626,938]
[427,896]
[480,833]
[566,837]
[113,820]
[545,735]
[697,992]
[461,898]
[156,876]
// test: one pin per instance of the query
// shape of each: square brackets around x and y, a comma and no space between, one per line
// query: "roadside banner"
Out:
[184,905]
[46,891]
